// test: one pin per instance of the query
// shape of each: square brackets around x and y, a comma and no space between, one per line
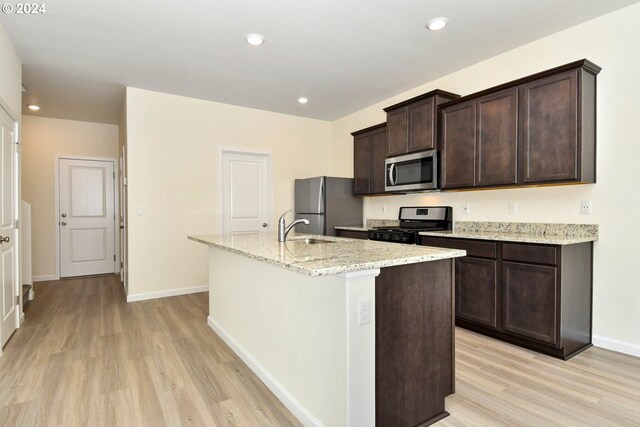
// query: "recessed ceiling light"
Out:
[303,100]
[254,39]
[437,23]
[33,107]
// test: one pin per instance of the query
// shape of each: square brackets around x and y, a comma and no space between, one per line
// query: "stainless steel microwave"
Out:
[412,172]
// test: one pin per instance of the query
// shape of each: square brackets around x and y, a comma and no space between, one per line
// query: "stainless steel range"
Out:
[414,220]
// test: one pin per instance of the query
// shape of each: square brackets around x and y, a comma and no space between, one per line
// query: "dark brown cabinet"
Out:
[352,234]
[529,300]
[537,296]
[412,124]
[497,127]
[459,145]
[414,366]
[369,152]
[535,130]
[557,139]
[477,290]
[479,141]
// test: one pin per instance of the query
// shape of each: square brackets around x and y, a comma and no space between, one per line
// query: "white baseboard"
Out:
[169,293]
[615,345]
[44,278]
[292,404]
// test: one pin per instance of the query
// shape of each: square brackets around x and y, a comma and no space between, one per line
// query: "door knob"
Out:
[264,224]
[63,224]
[64,215]
[4,239]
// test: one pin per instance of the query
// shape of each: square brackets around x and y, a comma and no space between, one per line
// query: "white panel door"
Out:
[8,234]
[87,217]
[245,187]
[123,220]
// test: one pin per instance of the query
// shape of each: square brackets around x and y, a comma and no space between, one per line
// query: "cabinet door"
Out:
[397,129]
[378,155]
[459,145]
[549,149]
[421,125]
[362,164]
[530,301]
[476,290]
[497,138]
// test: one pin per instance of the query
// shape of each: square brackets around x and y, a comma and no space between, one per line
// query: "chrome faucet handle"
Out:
[282,217]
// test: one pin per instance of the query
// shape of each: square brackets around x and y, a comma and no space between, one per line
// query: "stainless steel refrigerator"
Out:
[326,202]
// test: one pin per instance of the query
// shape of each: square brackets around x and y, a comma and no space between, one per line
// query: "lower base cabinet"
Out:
[536,296]
[477,290]
[529,300]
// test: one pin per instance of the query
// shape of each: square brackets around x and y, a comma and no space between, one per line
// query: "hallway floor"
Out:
[86,357]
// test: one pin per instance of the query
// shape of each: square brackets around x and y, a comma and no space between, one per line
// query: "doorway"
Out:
[245,191]
[8,227]
[86,217]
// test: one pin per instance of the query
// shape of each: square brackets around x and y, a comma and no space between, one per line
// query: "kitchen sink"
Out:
[310,240]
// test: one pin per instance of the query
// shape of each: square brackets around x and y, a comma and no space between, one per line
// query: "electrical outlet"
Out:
[384,208]
[466,209]
[139,211]
[585,207]
[513,208]
[364,311]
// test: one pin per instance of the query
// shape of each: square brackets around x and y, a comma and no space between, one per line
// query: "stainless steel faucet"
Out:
[283,230]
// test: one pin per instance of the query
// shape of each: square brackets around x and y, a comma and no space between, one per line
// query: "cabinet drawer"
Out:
[473,247]
[536,254]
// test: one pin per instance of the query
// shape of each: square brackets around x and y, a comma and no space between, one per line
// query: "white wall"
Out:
[10,77]
[42,140]
[173,145]
[611,42]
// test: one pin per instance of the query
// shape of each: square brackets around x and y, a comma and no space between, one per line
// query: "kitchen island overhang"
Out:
[291,312]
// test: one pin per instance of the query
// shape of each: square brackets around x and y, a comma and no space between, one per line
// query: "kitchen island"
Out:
[344,332]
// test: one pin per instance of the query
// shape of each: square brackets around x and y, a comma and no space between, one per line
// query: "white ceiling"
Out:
[341,54]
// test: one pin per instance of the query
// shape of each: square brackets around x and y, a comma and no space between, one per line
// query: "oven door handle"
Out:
[392,174]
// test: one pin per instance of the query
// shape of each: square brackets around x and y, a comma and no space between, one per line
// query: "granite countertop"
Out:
[370,224]
[551,234]
[341,256]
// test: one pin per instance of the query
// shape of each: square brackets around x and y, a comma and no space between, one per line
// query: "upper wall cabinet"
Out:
[369,152]
[412,124]
[535,130]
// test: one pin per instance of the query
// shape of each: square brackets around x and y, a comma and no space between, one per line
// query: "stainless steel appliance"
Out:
[412,172]
[326,202]
[414,220]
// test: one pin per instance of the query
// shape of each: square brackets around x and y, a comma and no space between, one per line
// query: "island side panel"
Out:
[290,329]
[414,343]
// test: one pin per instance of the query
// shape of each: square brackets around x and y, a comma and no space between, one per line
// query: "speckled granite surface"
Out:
[342,256]
[552,234]
[371,223]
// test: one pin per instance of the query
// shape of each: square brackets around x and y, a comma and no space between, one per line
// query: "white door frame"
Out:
[17,186]
[116,207]
[246,151]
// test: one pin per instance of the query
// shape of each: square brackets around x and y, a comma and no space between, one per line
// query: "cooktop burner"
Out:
[412,221]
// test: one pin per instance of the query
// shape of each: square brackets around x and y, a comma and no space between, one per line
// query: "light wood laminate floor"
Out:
[86,357]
